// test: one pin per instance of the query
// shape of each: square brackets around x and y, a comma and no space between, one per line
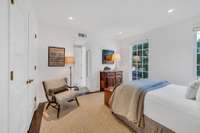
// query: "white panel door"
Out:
[4,66]
[18,61]
[32,61]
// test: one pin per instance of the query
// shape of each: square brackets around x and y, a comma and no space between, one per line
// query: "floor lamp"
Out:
[136,59]
[70,60]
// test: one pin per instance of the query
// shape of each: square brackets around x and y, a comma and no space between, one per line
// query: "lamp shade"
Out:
[69,60]
[136,58]
[116,57]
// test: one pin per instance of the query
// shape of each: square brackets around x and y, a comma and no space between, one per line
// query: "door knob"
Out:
[30,81]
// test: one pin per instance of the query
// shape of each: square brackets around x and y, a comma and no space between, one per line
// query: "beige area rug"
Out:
[92,116]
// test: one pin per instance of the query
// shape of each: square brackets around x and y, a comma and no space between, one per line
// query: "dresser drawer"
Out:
[119,74]
[110,79]
[110,74]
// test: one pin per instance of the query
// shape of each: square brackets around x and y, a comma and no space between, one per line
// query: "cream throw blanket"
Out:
[128,101]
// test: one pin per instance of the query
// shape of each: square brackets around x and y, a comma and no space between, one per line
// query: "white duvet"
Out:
[169,107]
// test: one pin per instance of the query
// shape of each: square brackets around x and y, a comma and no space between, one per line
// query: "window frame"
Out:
[142,71]
[198,54]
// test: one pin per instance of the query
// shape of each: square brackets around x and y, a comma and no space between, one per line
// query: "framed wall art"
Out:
[56,57]
[107,56]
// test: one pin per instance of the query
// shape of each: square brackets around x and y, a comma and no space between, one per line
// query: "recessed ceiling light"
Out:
[70,18]
[120,32]
[170,10]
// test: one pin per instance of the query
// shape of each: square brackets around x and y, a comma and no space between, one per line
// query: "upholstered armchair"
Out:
[58,92]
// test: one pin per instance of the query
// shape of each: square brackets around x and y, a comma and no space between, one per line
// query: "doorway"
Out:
[80,66]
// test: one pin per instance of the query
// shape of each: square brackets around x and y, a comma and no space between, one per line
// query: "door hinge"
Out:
[12,2]
[12,75]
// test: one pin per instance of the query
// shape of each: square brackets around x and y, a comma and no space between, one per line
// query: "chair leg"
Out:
[48,105]
[58,113]
[77,101]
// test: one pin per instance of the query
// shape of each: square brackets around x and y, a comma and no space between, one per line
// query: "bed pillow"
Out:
[192,89]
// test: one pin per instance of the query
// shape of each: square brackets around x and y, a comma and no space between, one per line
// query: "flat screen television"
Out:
[107,56]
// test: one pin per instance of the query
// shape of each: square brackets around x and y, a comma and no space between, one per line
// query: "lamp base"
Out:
[70,75]
[116,66]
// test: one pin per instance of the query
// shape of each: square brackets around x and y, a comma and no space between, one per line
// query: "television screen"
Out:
[107,56]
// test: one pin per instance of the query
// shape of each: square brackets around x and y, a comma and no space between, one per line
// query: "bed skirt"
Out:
[150,126]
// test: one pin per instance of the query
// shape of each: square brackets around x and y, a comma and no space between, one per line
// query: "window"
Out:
[198,53]
[140,61]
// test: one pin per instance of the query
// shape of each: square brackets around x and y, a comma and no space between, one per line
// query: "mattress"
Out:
[169,107]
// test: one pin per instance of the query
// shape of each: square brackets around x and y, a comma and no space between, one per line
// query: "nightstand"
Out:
[107,94]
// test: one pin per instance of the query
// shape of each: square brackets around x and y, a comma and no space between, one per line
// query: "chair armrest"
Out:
[51,92]
[75,88]
[58,90]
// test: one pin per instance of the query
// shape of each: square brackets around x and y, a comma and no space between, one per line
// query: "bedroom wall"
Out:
[172,52]
[96,44]
[4,66]
[52,35]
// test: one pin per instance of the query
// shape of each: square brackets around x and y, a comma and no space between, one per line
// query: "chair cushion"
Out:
[55,83]
[66,96]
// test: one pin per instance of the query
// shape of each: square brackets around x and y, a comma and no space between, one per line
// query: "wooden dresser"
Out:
[110,79]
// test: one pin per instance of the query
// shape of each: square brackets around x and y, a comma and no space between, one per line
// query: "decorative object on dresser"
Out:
[56,57]
[110,79]
[107,94]
[107,68]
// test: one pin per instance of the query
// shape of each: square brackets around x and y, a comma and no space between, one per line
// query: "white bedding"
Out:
[169,107]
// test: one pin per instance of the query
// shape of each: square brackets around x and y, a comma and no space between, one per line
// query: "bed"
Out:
[169,107]
[165,110]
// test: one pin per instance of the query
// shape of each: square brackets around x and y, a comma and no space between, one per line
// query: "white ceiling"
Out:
[109,17]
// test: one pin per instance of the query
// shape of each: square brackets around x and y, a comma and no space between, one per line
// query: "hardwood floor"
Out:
[37,118]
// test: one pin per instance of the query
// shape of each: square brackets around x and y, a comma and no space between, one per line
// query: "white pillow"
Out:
[192,89]
[198,96]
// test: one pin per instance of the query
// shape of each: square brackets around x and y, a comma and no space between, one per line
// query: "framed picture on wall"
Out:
[56,57]
[107,56]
